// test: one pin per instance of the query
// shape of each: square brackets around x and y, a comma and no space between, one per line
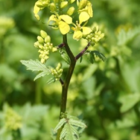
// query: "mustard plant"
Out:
[68,17]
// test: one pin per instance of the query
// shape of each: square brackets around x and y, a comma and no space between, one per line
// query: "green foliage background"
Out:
[106,95]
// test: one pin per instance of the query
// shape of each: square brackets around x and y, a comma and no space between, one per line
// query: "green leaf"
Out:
[69,133]
[128,101]
[60,124]
[65,56]
[77,123]
[51,80]
[72,126]
[124,37]
[92,58]
[33,65]
[36,66]
[100,55]
[42,74]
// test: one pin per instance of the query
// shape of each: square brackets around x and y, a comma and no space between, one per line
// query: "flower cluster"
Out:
[95,35]
[57,72]
[44,45]
[62,12]
[12,120]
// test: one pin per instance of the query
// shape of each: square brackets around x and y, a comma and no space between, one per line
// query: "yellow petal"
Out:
[86,30]
[66,18]
[89,8]
[64,27]
[82,4]
[84,16]
[77,35]
[36,11]
[53,18]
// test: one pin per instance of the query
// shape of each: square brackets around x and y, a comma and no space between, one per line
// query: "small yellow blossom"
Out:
[39,5]
[85,11]
[79,31]
[62,22]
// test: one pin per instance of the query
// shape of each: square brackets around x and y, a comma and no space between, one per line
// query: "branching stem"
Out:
[65,84]
[82,52]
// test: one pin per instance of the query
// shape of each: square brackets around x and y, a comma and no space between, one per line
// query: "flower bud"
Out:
[40,51]
[40,39]
[58,66]
[47,39]
[46,52]
[40,46]
[52,7]
[43,33]
[60,71]
[70,11]
[46,57]
[72,1]
[42,60]
[54,49]
[63,4]
[36,44]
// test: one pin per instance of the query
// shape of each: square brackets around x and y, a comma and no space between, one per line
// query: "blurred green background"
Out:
[106,95]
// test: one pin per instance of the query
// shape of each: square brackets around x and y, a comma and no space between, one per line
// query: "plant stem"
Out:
[38,94]
[65,85]
[82,52]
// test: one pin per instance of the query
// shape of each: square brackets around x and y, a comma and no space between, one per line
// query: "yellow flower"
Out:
[85,11]
[62,22]
[79,31]
[39,5]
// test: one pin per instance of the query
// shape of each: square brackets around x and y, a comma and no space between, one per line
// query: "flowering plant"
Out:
[69,17]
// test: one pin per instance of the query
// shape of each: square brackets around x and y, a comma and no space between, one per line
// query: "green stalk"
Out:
[68,76]
[38,94]
[65,84]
